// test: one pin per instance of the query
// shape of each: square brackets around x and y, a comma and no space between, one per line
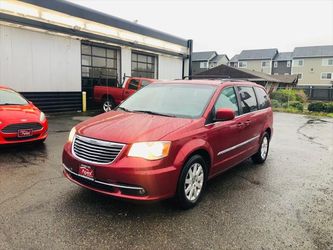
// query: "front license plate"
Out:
[24,132]
[86,171]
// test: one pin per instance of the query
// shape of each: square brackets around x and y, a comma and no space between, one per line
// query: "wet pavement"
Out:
[285,203]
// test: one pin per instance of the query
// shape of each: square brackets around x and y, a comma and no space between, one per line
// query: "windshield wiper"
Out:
[6,103]
[124,109]
[152,113]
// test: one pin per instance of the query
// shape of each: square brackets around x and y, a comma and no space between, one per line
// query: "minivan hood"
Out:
[125,127]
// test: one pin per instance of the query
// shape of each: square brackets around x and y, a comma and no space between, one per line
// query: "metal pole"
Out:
[190,48]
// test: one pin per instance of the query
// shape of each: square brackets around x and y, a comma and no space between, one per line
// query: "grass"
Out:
[304,112]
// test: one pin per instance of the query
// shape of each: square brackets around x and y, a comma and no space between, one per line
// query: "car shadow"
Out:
[107,206]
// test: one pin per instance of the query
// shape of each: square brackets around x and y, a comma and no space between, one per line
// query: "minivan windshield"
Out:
[10,97]
[175,100]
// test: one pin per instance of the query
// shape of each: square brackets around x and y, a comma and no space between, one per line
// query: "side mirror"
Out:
[224,114]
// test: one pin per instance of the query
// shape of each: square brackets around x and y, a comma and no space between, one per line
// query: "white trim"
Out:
[321,76]
[275,64]
[324,61]
[288,64]
[244,62]
[297,65]
[237,146]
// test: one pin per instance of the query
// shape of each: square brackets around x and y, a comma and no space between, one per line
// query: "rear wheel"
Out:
[192,182]
[261,155]
[108,104]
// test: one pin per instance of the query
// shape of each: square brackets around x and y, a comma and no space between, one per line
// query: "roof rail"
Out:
[223,78]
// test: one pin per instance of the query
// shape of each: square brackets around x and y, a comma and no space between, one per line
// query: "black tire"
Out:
[261,156]
[108,104]
[182,199]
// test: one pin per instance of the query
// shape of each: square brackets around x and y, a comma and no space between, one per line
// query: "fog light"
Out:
[142,191]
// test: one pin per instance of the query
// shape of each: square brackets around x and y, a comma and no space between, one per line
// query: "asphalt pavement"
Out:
[287,203]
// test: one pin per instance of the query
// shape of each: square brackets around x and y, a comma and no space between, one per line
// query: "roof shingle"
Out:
[313,51]
[203,55]
[257,54]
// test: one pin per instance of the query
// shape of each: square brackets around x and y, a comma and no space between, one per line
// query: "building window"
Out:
[265,64]
[300,76]
[203,65]
[327,62]
[298,63]
[288,64]
[326,76]
[143,65]
[242,64]
[275,64]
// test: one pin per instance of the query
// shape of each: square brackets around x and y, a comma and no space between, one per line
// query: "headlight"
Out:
[42,117]
[150,150]
[72,134]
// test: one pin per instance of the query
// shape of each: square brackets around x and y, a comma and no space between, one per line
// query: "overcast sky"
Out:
[230,26]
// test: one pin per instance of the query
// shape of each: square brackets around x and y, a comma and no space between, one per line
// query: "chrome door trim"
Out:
[237,146]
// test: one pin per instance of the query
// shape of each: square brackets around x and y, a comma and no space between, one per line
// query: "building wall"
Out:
[256,65]
[170,67]
[32,61]
[223,60]
[282,68]
[311,72]
[196,67]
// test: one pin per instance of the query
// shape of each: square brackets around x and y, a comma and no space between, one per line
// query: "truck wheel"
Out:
[108,104]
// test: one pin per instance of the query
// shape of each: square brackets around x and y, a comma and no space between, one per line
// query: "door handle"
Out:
[247,123]
[240,125]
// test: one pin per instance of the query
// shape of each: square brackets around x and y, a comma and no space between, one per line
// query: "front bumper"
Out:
[12,138]
[127,177]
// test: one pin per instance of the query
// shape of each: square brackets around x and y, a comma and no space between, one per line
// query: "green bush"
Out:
[297,105]
[317,107]
[276,104]
[329,107]
[301,96]
[285,95]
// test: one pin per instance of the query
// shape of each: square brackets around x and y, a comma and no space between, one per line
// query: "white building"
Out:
[51,51]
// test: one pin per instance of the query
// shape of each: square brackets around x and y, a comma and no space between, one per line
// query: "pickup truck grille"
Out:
[13,128]
[95,151]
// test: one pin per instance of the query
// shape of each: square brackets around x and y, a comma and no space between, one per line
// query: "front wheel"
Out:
[261,155]
[108,105]
[191,182]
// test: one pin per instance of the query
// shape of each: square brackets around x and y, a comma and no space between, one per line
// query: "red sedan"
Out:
[20,120]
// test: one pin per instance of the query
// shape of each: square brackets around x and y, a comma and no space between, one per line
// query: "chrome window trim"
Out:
[98,142]
[237,146]
[100,182]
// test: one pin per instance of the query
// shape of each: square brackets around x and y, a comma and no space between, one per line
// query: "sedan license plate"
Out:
[86,171]
[24,133]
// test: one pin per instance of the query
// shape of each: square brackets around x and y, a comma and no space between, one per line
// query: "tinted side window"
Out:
[144,83]
[263,99]
[227,99]
[133,84]
[248,99]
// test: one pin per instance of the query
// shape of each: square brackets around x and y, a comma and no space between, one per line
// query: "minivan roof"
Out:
[211,82]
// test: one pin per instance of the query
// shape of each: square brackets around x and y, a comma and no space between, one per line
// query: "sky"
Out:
[228,26]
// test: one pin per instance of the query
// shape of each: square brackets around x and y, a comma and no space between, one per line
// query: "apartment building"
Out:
[259,60]
[282,63]
[234,61]
[203,60]
[313,65]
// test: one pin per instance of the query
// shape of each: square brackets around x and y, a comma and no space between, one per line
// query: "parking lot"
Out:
[286,203]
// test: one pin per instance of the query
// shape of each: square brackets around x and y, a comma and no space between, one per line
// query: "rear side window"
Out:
[144,83]
[227,99]
[263,99]
[248,99]
[133,84]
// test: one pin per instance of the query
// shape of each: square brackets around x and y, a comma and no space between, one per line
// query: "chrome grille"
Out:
[13,128]
[95,151]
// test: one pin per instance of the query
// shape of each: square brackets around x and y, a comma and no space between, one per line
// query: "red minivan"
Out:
[169,138]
